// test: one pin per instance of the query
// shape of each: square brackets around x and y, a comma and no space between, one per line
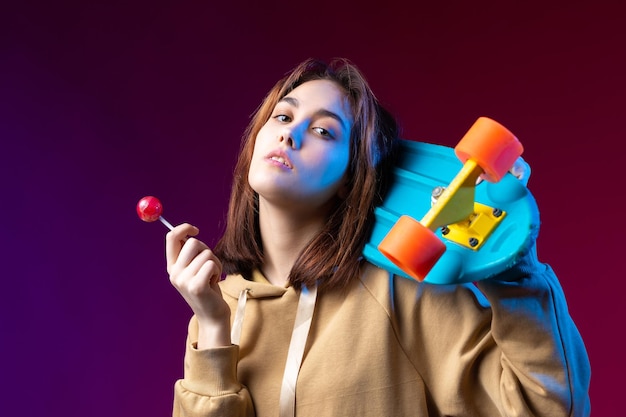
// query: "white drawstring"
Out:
[235,332]
[304,315]
[302,324]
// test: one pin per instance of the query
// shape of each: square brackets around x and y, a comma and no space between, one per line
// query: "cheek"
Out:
[336,165]
[336,171]
[258,146]
[255,158]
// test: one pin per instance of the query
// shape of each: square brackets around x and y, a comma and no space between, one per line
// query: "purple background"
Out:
[102,103]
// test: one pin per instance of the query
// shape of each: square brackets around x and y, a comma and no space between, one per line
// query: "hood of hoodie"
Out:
[259,287]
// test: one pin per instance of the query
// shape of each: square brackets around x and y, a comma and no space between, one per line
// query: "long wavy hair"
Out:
[333,256]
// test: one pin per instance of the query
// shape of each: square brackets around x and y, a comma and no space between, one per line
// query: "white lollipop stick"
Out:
[166,223]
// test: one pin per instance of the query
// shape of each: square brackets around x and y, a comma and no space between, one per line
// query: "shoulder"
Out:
[408,294]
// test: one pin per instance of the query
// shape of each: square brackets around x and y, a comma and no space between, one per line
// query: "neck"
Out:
[285,233]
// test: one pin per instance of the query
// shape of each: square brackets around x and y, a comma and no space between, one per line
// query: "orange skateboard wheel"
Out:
[412,247]
[492,146]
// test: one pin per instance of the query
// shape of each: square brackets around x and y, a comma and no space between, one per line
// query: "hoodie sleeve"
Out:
[544,364]
[210,386]
[504,346]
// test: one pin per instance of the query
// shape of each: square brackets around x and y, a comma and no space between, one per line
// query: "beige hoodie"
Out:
[389,346]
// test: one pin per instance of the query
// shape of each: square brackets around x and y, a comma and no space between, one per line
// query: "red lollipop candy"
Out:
[149,209]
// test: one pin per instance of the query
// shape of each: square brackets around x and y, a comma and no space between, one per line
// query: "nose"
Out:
[292,137]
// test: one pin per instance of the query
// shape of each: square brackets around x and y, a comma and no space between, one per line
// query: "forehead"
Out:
[322,94]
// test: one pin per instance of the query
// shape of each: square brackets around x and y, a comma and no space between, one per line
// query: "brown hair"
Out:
[333,257]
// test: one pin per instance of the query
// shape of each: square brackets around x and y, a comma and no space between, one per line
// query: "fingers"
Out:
[190,263]
[174,241]
[521,169]
[196,261]
[211,268]
[198,280]
[195,271]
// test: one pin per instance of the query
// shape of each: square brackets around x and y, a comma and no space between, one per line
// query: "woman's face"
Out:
[301,154]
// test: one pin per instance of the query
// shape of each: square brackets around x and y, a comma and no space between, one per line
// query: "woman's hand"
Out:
[195,272]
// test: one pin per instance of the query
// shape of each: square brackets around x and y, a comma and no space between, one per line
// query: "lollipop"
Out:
[149,209]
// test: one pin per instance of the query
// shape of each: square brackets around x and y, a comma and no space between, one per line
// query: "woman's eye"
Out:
[282,118]
[322,131]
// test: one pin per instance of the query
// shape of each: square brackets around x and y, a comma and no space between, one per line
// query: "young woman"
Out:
[302,325]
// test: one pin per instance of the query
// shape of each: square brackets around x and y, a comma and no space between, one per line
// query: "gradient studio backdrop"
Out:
[102,103]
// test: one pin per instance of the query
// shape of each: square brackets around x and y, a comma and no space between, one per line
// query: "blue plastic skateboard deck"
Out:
[421,168]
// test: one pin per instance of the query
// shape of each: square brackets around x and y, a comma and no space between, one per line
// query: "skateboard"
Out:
[454,215]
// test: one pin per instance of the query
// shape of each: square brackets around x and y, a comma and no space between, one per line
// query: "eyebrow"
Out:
[321,112]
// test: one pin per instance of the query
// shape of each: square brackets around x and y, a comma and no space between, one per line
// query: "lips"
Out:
[279,158]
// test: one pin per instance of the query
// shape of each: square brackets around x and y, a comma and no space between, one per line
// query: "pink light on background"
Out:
[103,104]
